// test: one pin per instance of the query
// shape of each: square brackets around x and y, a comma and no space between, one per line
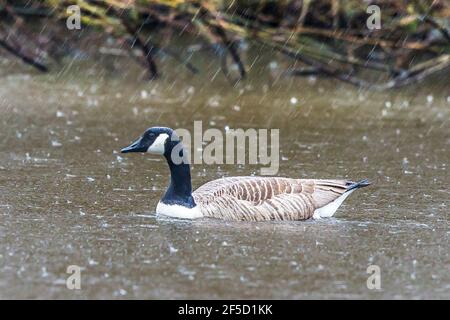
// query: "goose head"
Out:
[164,141]
[155,140]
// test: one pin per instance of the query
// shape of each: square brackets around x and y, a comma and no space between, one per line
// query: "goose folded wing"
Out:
[271,198]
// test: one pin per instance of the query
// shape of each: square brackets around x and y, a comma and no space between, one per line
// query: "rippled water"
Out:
[67,197]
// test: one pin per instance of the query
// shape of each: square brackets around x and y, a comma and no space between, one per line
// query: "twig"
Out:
[431,67]
[148,51]
[441,29]
[28,60]
[218,30]
[305,71]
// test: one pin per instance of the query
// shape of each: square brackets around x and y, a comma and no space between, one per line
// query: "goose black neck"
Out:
[180,188]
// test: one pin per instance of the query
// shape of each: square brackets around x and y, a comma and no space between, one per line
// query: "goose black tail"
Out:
[357,185]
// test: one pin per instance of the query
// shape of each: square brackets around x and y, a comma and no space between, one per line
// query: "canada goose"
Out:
[240,198]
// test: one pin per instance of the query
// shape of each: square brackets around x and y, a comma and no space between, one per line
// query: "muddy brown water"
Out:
[67,197]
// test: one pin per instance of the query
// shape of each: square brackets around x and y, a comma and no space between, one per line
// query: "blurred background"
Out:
[359,42]
[358,89]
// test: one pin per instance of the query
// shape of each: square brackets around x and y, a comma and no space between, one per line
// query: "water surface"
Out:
[67,197]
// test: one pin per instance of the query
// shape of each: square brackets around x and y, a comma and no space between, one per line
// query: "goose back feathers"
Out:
[268,198]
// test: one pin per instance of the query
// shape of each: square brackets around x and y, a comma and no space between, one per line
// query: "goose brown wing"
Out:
[266,198]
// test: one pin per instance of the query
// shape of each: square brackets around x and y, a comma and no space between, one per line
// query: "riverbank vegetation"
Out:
[329,38]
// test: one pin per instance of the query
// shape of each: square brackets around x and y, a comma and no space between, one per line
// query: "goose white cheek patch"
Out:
[157,146]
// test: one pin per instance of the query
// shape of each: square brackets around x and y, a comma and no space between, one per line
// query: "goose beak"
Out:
[136,146]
